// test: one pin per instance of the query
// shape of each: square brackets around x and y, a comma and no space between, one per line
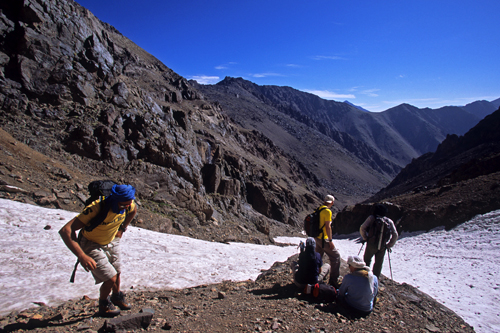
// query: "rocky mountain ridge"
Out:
[360,149]
[444,188]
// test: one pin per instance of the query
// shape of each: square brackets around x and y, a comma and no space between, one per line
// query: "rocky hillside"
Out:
[447,187]
[75,90]
[229,161]
[351,151]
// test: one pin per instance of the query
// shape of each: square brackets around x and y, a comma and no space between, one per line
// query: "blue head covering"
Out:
[311,248]
[310,243]
[120,193]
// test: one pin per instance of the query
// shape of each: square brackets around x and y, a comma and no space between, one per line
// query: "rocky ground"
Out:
[272,303]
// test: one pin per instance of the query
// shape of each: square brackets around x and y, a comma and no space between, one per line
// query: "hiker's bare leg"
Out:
[116,286]
[106,287]
[118,298]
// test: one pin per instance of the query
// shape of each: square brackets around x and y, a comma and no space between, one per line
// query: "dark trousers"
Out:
[334,257]
[370,251]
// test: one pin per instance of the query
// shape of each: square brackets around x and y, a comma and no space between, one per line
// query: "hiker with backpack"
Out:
[324,242]
[97,246]
[309,273]
[380,235]
[359,288]
[310,268]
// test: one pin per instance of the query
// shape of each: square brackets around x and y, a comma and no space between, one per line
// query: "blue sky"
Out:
[375,54]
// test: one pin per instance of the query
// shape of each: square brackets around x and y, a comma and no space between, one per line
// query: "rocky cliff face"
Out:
[75,89]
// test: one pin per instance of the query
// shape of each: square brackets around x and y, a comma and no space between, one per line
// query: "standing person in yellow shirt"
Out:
[324,243]
[98,247]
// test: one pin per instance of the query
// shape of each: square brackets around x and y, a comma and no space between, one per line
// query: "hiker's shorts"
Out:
[107,258]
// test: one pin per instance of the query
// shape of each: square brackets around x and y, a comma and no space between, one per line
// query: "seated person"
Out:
[359,288]
[310,269]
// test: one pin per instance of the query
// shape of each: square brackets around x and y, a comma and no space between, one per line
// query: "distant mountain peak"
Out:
[356,106]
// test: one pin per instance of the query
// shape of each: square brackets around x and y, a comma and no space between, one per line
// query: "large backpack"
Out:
[327,293]
[379,231]
[322,293]
[98,189]
[311,223]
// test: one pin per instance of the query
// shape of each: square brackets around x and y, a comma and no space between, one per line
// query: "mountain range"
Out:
[230,161]
[360,151]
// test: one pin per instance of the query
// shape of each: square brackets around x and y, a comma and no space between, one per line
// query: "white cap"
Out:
[329,199]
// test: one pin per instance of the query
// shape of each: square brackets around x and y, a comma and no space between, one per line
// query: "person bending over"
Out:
[98,250]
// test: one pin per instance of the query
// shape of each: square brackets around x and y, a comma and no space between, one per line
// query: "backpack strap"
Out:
[105,206]
[322,229]
[381,235]
[72,278]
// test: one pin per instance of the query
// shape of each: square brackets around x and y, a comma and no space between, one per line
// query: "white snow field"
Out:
[459,267]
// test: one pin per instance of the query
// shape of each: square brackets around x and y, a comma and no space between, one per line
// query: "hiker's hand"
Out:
[332,247]
[363,241]
[389,250]
[87,262]
[119,234]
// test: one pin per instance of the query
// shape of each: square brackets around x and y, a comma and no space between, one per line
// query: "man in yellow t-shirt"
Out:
[324,242]
[98,250]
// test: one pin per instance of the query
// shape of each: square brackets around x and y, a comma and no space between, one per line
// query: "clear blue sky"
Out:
[375,54]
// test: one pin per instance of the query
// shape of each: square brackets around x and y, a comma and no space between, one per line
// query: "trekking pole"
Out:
[362,244]
[388,256]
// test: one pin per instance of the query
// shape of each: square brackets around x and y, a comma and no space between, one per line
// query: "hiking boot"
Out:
[107,309]
[119,300]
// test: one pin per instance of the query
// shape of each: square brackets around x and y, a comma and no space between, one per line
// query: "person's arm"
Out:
[68,234]
[126,223]
[328,229]
[363,230]
[394,235]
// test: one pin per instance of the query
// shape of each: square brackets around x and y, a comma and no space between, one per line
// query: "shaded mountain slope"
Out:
[377,144]
[325,154]
[482,108]
[456,158]
[450,186]
[425,129]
